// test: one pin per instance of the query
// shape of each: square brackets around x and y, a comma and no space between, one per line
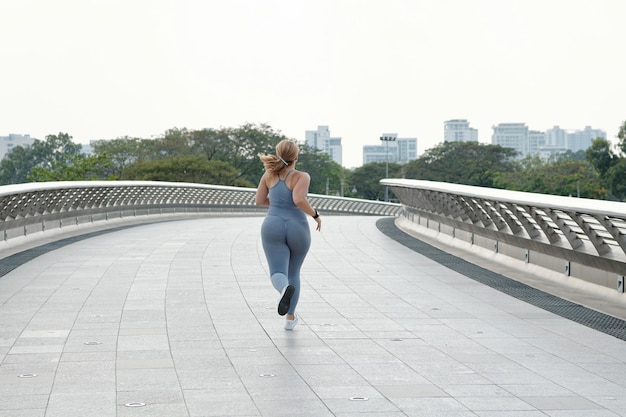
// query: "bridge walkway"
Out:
[178,319]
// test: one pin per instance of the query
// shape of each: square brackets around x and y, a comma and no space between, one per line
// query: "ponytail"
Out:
[286,154]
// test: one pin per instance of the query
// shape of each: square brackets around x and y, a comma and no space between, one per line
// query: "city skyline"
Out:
[544,145]
[102,70]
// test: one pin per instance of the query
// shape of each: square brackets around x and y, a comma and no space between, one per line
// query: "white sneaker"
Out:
[290,324]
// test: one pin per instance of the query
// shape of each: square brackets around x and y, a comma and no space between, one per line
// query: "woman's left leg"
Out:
[299,242]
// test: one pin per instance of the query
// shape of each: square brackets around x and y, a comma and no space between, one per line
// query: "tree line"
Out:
[229,156]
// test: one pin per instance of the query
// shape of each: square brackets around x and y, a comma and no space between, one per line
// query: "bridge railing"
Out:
[575,237]
[35,207]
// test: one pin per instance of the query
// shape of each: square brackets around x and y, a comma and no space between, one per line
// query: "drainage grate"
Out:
[564,308]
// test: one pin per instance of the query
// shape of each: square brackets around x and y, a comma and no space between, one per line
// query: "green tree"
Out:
[16,165]
[621,135]
[571,178]
[616,178]
[176,142]
[240,148]
[193,169]
[366,179]
[76,168]
[616,174]
[469,163]
[173,142]
[55,150]
[600,156]
[566,177]
[568,155]
[521,176]
[121,152]
[325,173]
[210,143]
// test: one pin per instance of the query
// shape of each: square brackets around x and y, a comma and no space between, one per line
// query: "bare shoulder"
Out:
[302,174]
[298,178]
[269,179]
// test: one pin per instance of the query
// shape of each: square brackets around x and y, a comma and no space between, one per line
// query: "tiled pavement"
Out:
[179,319]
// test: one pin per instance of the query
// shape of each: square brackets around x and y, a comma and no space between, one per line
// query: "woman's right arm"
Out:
[262,197]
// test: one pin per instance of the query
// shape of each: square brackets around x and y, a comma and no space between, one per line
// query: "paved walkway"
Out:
[178,319]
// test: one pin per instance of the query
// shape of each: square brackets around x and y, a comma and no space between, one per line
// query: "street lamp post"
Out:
[343,184]
[387,139]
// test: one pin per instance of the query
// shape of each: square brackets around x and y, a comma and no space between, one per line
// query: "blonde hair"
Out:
[286,154]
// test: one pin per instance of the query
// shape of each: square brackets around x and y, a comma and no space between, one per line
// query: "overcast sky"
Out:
[111,68]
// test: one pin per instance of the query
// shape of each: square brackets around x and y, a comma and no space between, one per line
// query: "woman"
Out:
[285,232]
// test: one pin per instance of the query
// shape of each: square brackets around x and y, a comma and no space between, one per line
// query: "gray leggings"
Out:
[286,243]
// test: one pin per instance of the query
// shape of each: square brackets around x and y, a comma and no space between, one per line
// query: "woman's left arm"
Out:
[299,192]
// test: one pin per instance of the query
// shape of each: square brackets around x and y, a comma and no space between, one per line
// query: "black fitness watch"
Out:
[317,214]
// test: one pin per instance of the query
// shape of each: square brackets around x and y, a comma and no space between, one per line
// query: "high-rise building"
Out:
[559,140]
[552,141]
[511,135]
[580,140]
[536,140]
[459,130]
[320,139]
[556,137]
[400,151]
[7,143]
[407,149]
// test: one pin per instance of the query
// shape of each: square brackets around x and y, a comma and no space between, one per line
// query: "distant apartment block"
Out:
[459,130]
[511,135]
[519,137]
[400,151]
[556,137]
[580,140]
[321,139]
[536,141]
[533,142]
[559,140]
[7,143]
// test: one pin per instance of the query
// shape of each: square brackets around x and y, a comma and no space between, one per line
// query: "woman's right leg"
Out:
[276,250]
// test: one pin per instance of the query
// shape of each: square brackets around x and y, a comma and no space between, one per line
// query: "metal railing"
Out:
[580,237]
[36,207]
